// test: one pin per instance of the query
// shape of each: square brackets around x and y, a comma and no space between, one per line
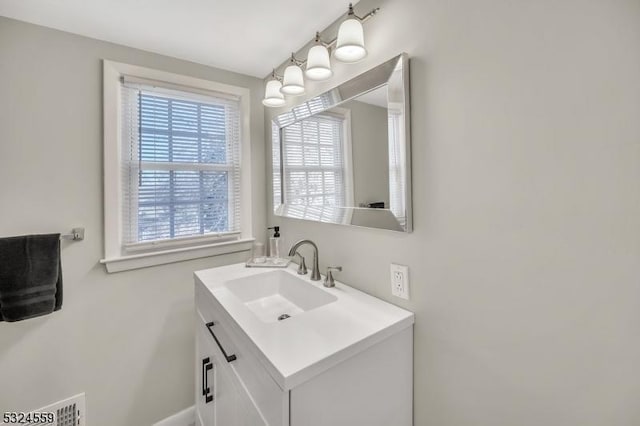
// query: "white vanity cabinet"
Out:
[228,388]
[238,383]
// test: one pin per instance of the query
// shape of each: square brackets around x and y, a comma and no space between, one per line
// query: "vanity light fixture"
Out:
[318,62]
[349,48]
[272,95]
[350,43]
[293,81]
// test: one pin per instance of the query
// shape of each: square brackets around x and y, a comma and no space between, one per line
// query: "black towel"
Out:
[30,276]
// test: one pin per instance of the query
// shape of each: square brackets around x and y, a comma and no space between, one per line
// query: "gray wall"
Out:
[125,339]
[524,263]
[370,150]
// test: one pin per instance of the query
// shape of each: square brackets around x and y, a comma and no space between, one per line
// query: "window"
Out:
[181,165]
[316,172]
[175,175]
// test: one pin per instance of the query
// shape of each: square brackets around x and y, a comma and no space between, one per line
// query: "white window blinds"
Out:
[313,159]
[180,165]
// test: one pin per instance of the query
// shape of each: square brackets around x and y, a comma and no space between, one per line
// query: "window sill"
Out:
[137,261]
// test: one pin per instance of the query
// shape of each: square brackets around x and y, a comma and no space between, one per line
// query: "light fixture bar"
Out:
[364,18]
[348,47]
[275,76]
[330,44]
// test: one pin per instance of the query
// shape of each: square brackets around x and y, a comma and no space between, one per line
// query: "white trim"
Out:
[116,258]
[347,155]
[143,260]
[178,90]
[112,155]
[182,241]
[186,417]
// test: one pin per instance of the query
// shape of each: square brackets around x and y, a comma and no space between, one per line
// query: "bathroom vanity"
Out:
[275,348]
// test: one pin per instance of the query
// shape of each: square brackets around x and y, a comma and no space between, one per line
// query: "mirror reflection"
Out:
[346,161]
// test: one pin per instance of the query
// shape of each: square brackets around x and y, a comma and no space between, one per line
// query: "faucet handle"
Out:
[302,266]
[328,279]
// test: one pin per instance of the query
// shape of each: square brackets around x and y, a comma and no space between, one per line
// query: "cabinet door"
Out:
[226,394]
[221,399]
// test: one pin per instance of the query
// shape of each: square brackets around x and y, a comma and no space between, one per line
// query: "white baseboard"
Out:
[185,417]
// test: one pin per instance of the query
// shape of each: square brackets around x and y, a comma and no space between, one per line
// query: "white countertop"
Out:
[299,348]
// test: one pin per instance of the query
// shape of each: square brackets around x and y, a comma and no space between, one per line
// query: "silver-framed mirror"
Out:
[344,156]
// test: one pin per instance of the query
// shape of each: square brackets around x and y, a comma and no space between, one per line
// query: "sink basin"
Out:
[277,295]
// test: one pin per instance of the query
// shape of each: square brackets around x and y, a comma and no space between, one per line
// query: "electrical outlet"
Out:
[400,281]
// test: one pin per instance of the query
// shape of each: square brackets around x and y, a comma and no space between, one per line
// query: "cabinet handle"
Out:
[206,366]
[229,358]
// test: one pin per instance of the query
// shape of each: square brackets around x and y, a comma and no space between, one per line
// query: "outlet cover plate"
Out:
[400,281]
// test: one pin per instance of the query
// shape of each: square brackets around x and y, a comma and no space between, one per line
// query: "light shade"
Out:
[272,95]
[293,82]
[318,63]
[350,44]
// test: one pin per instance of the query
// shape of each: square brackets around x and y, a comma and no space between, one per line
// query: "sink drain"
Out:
[283,317]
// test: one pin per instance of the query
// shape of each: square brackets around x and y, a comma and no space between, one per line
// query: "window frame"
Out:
[116,256]
[343,114]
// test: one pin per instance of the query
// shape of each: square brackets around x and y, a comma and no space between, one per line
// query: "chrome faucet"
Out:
[328,279]
[315,271]
[302,266]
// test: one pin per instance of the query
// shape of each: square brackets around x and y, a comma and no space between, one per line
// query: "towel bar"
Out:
[77,234]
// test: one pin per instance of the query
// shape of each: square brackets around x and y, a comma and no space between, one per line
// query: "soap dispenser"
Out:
[274,243]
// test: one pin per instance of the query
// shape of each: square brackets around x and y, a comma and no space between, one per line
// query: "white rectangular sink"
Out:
[327,325]
[277,295]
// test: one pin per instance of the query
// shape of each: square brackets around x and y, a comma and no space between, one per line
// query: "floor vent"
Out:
[69,412]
